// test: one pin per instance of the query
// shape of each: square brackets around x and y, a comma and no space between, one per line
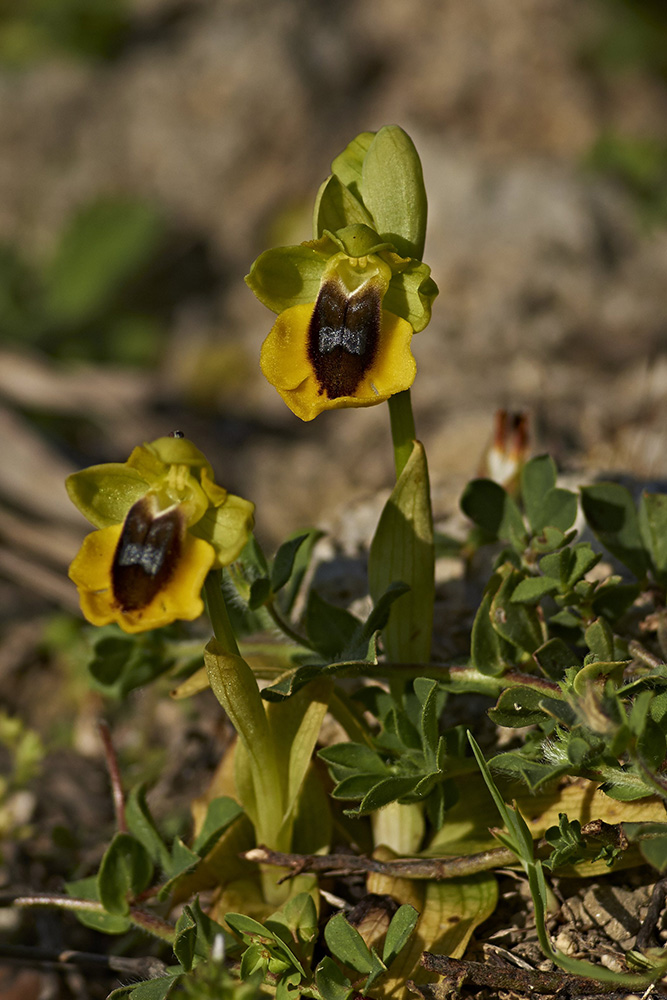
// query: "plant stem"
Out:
[217,612]
[402,428]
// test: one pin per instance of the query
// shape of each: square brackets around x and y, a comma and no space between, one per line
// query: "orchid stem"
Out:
[217,612]
[402,428]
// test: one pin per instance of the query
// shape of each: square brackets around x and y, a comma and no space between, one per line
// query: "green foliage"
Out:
[96,280]
[409,759]
[575,660]
[37,29]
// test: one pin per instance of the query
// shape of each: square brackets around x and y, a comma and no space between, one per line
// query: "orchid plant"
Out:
[552,645]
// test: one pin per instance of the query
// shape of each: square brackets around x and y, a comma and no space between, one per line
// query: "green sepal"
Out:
[337,206]
[105,493]
[392,189]
[348,166]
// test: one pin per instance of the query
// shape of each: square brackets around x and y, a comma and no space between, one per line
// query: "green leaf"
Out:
[546,504]
[558,510]
[356,787]
[155,989]
[654,851]
[486,648]
[600,640]
[301,563]
[538,477]
[121,664]
[260,591]
[584,561]
[354,757]
[519,839]
[492,509]
[299,915]
[283,564]
[427,692]
[388,790]
[611,514]
[653,526]
[517,623]
[518,706]
[330,629]
[185,938]
[142,826]
[125,871]
[183,861]
[86,888]
[392,188]
[331,981]
[554,657]
[533,588]
[104,245]
[347,945]
[401,927]
[402,550]
[221,813]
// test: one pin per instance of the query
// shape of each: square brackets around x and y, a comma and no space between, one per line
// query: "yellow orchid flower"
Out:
[162,523]
[347,307]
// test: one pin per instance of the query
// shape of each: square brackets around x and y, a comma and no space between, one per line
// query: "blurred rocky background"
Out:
[150,149]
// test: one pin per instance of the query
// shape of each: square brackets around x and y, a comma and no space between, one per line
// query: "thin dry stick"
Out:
[421,868]
[148,921]
[114,776]
[457,973]
[146,967]
[646,934]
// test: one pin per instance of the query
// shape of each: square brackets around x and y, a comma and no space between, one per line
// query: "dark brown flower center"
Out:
[343,336]
[147,553]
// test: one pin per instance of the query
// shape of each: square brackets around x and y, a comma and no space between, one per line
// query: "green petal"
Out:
[105,493]
[358,240]
[392,189]
[336,207]
[288,276]
[411,293]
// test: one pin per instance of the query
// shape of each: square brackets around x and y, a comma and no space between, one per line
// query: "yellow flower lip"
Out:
[343,350]
[148,551]
[343,336]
